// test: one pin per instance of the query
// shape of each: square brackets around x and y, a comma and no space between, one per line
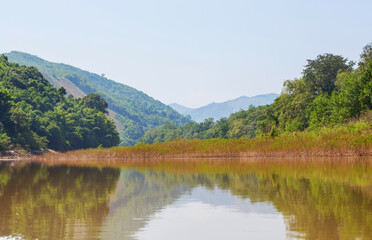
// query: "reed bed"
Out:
[354,139]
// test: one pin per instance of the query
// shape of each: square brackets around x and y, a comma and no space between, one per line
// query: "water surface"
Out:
[232,199]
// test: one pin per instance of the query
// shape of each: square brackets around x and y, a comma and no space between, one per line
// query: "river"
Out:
[182,199]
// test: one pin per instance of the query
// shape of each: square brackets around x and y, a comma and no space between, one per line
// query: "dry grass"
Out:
[354,139]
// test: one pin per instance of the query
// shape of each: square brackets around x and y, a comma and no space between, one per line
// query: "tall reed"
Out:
[353,139]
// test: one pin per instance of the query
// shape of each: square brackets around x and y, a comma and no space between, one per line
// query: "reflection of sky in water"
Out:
[220,197]
[214,214]
[37,202]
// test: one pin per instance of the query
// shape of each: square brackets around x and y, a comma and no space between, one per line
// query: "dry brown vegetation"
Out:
[354,139]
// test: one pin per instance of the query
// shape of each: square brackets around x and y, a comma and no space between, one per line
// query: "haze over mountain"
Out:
[224,109]
[134,112]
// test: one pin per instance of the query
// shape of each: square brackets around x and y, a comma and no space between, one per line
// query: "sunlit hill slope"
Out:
[134,112]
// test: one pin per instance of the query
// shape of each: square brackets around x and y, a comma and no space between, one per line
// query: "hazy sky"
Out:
[191,52]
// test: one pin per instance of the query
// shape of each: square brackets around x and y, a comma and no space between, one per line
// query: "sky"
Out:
[191,52]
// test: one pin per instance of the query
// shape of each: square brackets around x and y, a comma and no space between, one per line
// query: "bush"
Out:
[4,142]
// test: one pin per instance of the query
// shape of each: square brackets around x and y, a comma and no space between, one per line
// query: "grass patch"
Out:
[353,139]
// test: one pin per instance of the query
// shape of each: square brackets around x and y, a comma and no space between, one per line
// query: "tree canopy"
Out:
[35,115]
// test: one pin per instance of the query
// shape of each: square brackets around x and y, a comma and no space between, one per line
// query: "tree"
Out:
[62,91]
[320,74]
[366,92]
[5,105]
[95,101]
[366,56]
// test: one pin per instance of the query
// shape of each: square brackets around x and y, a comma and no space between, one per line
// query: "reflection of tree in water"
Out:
[138,196]
[71,203]
[54,203]
[312,207]
[4,178]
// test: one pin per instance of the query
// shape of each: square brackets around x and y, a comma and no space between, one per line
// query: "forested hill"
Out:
[224,109]
[134,111]
[35,115]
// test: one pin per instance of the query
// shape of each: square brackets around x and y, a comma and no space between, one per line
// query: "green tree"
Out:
[94,100]
[62,91]
[5,105]
[366,91]
[366,56]
[320,74]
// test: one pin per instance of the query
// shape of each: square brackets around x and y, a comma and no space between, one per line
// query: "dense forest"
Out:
[35,115]
[329,92]
[134,111]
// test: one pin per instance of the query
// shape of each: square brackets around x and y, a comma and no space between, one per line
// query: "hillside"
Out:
[224,109]
[134,112]
[35,115]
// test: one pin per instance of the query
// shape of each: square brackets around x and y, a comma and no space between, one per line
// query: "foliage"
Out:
[366,56]
[36,115]
[328,93]
[352,139]
[95,101]
[4,142]
[134,111]
[240,124]
[320,74]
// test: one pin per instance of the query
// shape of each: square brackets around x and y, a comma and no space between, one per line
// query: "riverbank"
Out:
[14,155]
[21,154]
[341,141]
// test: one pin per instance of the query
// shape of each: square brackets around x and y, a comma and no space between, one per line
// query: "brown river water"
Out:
[181,199]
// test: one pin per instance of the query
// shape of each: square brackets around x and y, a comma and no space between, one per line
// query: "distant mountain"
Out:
[134,112]
[224,109]
[179,108]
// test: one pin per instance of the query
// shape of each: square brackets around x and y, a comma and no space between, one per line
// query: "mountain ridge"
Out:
[224,109]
